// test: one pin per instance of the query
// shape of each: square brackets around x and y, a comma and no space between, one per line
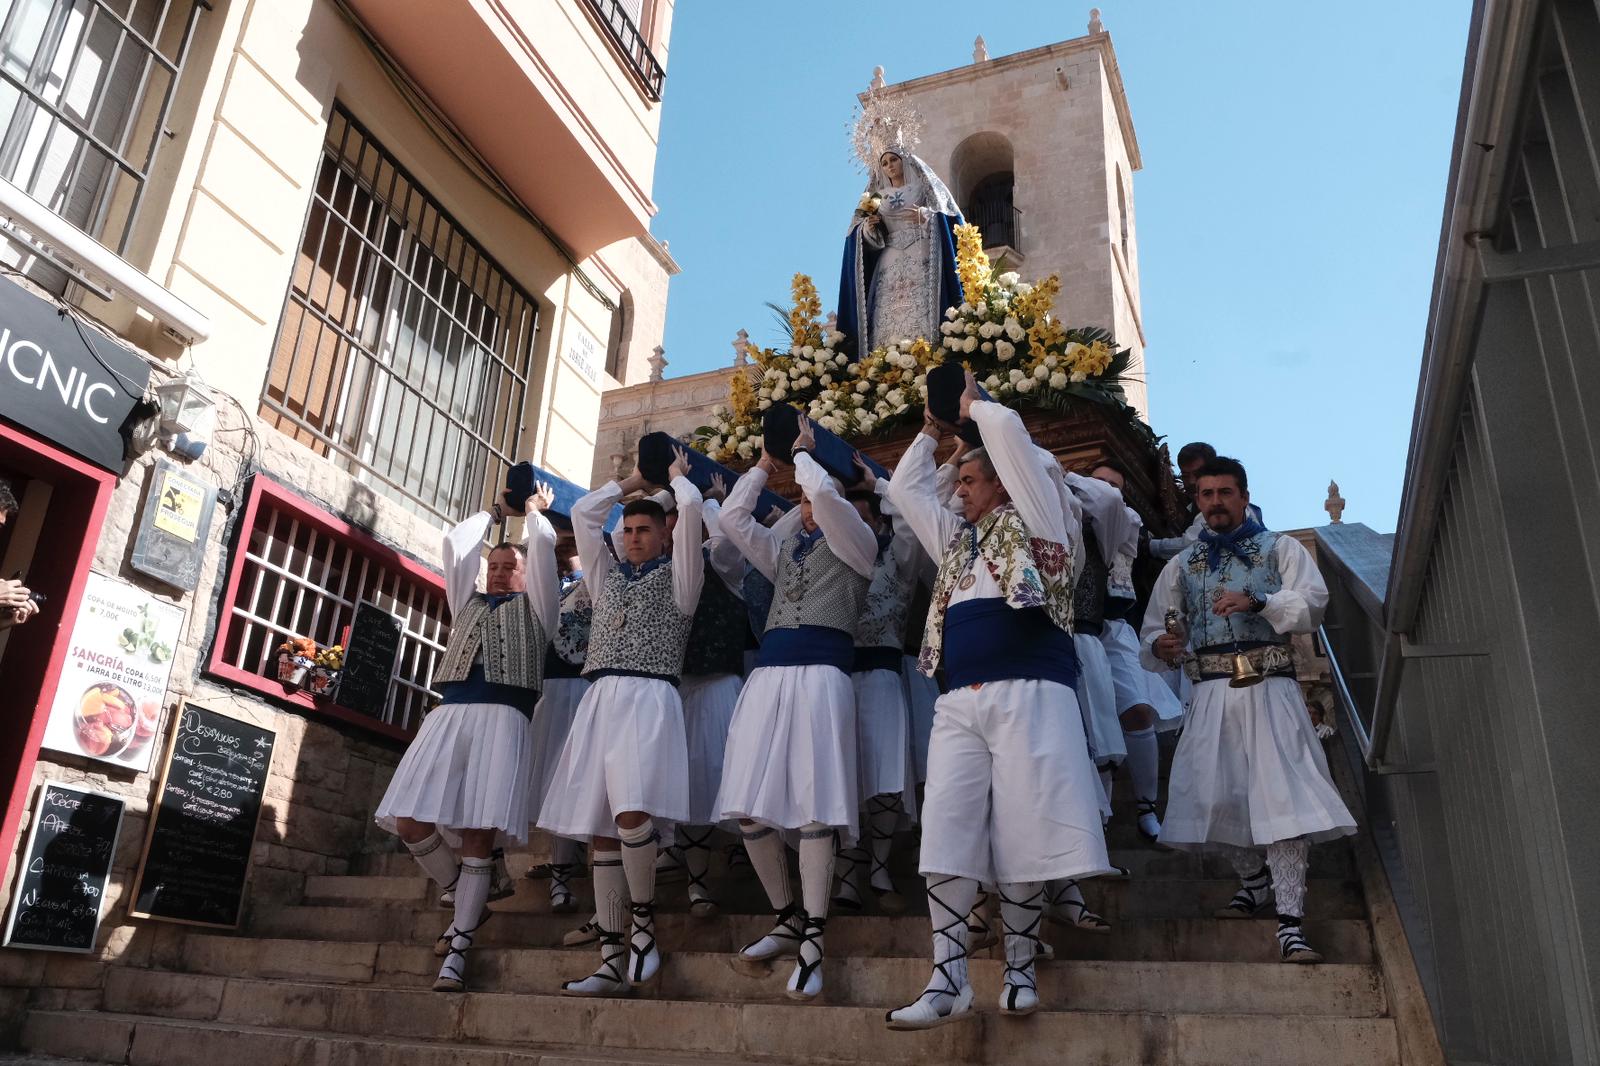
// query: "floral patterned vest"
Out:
[1032,572]
[570,645]
[883,616]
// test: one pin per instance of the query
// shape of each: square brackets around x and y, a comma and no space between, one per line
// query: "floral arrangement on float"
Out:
[1005,331]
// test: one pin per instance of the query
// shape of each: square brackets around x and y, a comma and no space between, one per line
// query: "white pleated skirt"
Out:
[552,719]
[708,704]
[625,752]
[883,737]
[791,757]
[922,693]
[1097,701]
[467,768]
[1012,795]
[1133,683]
[1250,771]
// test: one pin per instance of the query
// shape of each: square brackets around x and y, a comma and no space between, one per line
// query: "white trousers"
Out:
[1011,793]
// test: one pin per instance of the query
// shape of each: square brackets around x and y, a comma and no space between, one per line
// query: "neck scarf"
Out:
[1218,543]
[804,542]
[634,573]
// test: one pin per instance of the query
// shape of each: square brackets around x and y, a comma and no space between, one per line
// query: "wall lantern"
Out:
[184,404]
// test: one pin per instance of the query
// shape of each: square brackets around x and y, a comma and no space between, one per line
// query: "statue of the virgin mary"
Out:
[899,271]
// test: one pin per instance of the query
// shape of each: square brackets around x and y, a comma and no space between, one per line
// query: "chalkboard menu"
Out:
[369,658]
[203,823]
[56,905]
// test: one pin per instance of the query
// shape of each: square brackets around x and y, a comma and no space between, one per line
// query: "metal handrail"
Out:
[1346,699]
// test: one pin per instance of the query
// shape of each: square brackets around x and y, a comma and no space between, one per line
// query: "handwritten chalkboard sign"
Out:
[369,658]
[203,823]
[56,906]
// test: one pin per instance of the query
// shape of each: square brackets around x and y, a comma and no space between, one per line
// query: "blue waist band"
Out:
[807,646]
[879,658]
[479,689]
[988,640]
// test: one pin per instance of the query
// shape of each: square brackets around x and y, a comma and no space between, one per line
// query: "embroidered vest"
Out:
[637,627]
[818,589]
[1089,593]
[1259,577]
[1119,582]
[1031,571]
[571,641]
[883,617]
[509,639]
[717,634]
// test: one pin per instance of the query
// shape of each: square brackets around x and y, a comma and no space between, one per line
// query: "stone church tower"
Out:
[1038,149]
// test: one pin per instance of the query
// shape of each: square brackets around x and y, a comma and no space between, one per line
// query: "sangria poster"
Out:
[114,681]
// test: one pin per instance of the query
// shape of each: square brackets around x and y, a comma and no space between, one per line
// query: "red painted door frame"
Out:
[36,651]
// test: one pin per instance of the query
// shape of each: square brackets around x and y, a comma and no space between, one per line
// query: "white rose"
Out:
[982,309]
[742,431]
[720,411]
[1050,361]
[966,308]
[826,379]
[779,392]
[1025,385]
[1004,350]
[987,346]
[835,338]
[881,408]
[714,445]
[920,381]
[1009,279]
[896,397]
[992,381]
[1041,372]
[764,392]
[808,351]
[867,422]
[803,383]
[1058,380]
[952,342]
[1015,375]
[1014,330]
[794,349]
[744,449]
[945,327]
[950,312]
[905,342]
[970,345]
[863,386]
[1079,375]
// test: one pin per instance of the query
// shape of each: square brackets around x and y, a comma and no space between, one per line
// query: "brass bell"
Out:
[1244,674]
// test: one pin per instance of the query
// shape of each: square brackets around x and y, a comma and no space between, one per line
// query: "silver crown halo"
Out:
[883,121]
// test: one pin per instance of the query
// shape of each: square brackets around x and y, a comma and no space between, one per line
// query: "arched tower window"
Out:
[983,180]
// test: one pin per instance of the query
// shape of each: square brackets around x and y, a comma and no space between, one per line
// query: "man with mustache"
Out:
[1012,796]
[1249,774]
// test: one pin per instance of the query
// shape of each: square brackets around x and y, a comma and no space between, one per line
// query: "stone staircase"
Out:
[342,978]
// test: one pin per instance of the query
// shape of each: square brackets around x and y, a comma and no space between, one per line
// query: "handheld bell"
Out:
[1244,674]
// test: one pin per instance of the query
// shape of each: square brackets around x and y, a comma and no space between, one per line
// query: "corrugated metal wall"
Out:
[1493,775]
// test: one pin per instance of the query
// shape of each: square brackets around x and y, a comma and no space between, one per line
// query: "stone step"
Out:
[1143,859]
[144,1041]
[772,1032]
[1140,898]
[1179,987]
[1344,940]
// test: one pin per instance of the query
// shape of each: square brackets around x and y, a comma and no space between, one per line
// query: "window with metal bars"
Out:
[300,572]
[404,349]
[86,87]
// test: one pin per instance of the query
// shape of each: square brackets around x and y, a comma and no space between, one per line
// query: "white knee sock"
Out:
[950,900]
[883,814]
[1144,762]
[639,861]
[610,892]
[472,895]
[1021,908]
[816,868]
[1288,859]
[765,849]
[436,859]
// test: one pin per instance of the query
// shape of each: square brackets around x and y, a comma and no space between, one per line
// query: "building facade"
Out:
[1039,151]
[371,252]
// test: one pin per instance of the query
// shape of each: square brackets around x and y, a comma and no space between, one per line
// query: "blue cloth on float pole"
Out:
[780,426]
[946,383]
[523,478]
[655,458]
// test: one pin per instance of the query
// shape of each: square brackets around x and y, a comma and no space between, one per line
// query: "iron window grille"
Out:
[86,87]
[992,212]
[620,19]
[300,572]
[404,350]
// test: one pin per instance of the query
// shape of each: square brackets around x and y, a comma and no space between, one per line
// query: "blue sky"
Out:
[1295,157]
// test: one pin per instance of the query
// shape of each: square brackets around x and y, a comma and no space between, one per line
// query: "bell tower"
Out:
[1038,149]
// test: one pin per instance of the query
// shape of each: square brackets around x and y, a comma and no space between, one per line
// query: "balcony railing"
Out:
[615,19]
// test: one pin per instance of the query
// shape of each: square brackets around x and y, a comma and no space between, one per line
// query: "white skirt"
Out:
[791,756]
[922,692]
[708,704]
[552,719]
[1134,684]
[883,737]
[467,768]
[1097,701]
[1250,771]
[625,752]
[1012,795]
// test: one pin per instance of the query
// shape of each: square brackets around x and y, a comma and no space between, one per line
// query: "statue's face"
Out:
[894,168]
